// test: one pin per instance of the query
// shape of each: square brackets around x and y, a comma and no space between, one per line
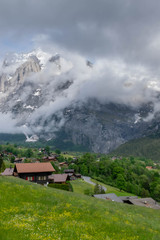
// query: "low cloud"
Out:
[107,81]
[8,124]
[70,81]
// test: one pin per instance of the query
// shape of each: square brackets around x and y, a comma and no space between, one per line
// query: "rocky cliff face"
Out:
[103,127]
[37,100]
[8,82]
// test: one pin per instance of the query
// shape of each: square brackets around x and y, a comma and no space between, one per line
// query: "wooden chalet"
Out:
[34,172]
[72,175]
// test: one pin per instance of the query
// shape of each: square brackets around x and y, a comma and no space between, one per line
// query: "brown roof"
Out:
[58,177]
[7,172]
[149,167]
[62,163]
[34,167]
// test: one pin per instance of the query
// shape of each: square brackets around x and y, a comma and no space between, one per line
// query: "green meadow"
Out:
[30,211]
[79,186]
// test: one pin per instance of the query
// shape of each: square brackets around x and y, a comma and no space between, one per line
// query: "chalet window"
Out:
[41,178]
[30,178]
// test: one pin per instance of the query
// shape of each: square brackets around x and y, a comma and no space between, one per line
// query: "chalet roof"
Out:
[58,177]
[109,196]
[34,167]
[146,202]
[7,172]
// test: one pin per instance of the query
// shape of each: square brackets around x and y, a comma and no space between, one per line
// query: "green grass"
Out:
[79,186]
[32,212]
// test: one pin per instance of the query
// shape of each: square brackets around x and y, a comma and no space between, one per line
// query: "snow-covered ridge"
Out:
[20,58]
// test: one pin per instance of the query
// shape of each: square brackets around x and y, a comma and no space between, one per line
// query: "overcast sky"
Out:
[121,29]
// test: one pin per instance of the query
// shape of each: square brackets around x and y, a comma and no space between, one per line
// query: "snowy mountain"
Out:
[49,96]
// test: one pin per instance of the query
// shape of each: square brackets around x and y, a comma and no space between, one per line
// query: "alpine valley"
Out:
[41,95]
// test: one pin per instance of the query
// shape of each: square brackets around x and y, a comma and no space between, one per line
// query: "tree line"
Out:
[128,174]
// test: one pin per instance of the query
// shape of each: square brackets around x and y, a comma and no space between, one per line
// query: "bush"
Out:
[63,186]
[88,192]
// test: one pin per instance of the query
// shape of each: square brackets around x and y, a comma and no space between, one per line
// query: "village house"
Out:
[63,164]
[133,200]
[144,202]
[58,178]
[149,167]
[72,175]
[50,158]
[34,172]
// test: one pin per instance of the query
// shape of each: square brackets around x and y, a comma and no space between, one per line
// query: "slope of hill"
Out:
[30,211]
[148,147]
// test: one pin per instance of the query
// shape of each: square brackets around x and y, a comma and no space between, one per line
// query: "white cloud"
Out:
[8,124]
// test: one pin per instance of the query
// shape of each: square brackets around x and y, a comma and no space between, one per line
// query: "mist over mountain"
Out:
[99,105]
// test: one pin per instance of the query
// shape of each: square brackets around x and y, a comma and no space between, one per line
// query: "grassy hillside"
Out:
[32,212]
[143,147]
